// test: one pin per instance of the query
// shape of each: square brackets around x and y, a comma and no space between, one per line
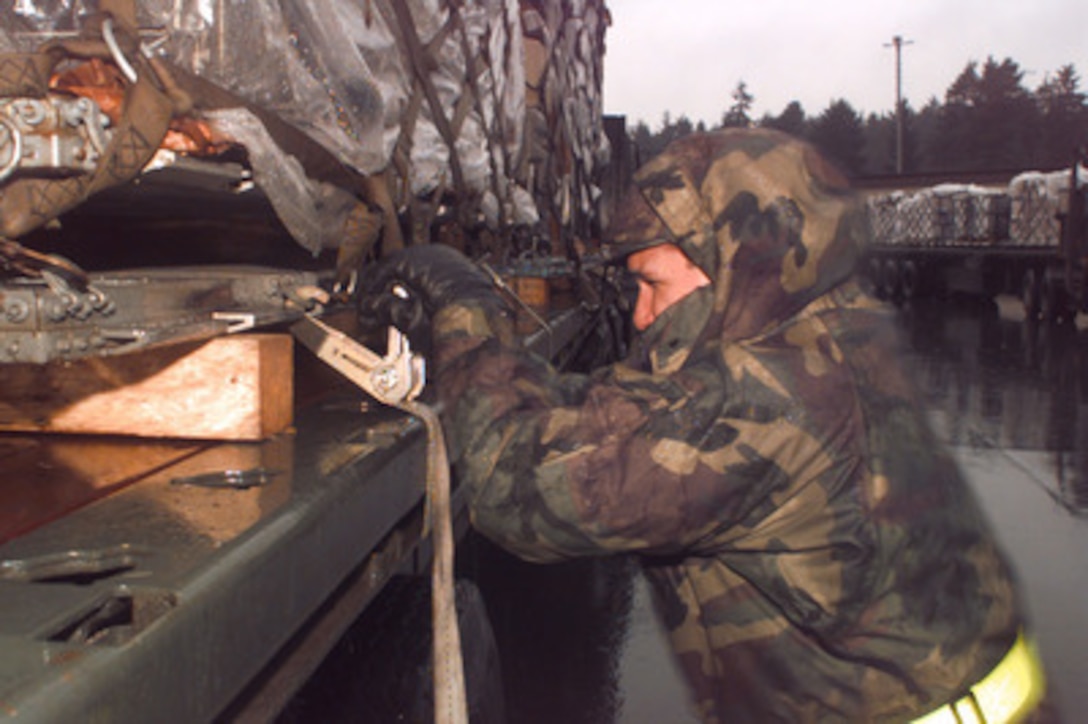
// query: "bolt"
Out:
[79,307]
[32,112]
[72,113]
[100,302]
[55,309]
[385,378]
[17,311]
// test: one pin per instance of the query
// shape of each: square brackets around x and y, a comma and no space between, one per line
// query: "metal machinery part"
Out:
[49,319]
[120,609]
[53,135]
[163,601]
[392,379]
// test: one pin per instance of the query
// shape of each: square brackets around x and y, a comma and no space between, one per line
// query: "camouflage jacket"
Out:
[814,553]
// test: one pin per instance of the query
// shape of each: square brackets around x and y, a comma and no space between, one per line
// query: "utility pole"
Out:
[898,43]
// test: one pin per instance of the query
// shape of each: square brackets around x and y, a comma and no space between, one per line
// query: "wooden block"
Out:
[48,476]
[237,387]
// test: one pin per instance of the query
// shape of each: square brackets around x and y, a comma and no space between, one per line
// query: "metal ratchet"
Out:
[397,377]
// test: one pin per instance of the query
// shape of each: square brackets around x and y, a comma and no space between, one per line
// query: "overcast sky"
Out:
[687,56]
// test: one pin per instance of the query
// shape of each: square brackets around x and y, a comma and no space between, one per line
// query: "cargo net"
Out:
[1037,200]
[489,114]
[940,216]
[1026,213]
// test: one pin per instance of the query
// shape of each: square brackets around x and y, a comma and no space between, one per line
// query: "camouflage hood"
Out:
[771,222]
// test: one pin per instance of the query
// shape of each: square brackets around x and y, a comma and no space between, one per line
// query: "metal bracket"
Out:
[52,135]
[236,321]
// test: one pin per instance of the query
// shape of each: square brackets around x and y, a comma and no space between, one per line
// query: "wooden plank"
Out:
[48,476]
[238,387]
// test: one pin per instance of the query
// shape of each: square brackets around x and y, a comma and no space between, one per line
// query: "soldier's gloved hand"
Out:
[409,287]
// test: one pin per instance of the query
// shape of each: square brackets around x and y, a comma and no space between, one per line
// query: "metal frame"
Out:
[135,608]
[201,615]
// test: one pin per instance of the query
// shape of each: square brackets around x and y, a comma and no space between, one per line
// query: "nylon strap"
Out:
[28,203]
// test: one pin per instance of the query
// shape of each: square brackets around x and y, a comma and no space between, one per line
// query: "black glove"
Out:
[409,287]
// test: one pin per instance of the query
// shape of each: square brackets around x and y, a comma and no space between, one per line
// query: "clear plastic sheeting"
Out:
[1037,200]
[446,99]
[340,72]
[313,212]
[23,23]
[306,67]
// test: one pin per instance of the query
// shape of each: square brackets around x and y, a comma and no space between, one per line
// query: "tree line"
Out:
[988,121]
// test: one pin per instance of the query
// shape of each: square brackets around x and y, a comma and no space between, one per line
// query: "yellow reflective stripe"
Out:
[1009,692]
[967,711]
[1015,686]
[944,715]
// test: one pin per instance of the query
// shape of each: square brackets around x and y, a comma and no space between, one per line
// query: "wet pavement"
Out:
[1011,399]
[578,642]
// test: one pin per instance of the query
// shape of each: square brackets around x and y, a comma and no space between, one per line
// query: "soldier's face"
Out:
[665,275]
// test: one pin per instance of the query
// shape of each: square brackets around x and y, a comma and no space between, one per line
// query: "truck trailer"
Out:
[195,506]
[1022,234]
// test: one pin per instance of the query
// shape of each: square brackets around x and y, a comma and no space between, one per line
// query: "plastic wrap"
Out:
[947,213]
[25,23]
[384,84]
[1025,213]
[1036,201]
[313,212]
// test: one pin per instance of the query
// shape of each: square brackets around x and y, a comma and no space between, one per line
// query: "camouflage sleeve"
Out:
[560,465]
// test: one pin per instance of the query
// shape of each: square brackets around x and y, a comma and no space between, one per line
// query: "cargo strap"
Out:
[420,64]
[1007,694]
[396,380]
[450,698]
[150,101]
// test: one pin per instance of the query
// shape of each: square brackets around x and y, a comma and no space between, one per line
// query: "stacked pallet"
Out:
[1037,199]
[1026,213]
[487,115]
[948,213]
[954,214]
[566,146]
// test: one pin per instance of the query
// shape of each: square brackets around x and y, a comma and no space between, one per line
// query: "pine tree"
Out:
[792,120]
[738,114]
[838,133]
[1064,114]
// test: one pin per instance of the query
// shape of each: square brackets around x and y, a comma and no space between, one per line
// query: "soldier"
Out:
[813,551]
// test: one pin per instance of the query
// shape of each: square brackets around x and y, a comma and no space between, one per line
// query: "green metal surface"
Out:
[170,601]
[217,578]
